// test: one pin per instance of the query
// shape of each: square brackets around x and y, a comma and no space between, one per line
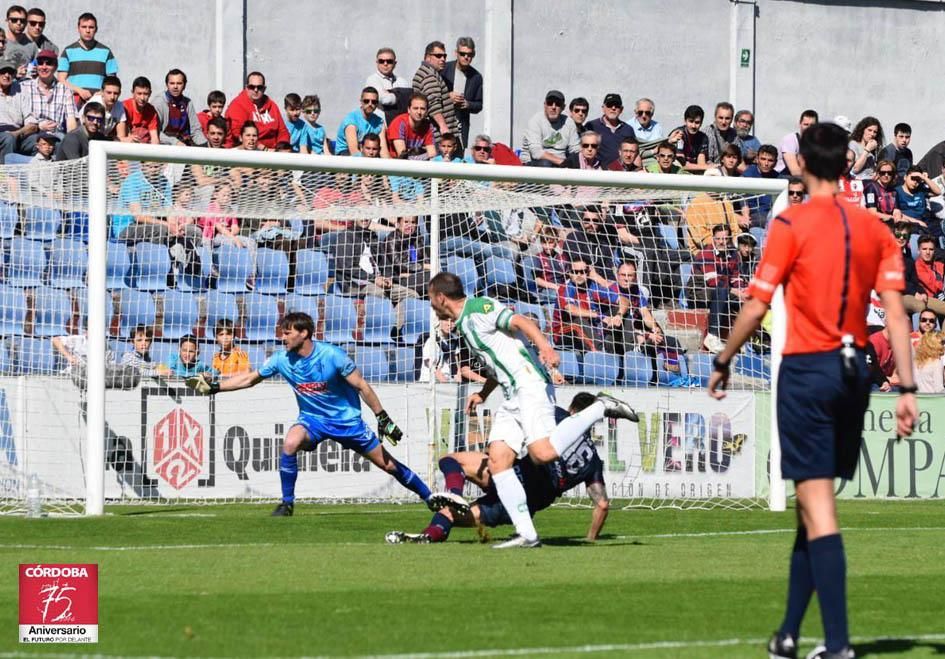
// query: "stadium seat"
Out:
[601,368]
[17,159]
[416,320]
[83,304]
[536,310]
[379,320]
[12,310]
[914,245]
[372,362]
[529,265]
[162,350]
[9,218]
[311,272]
[465,269]
[75,225]
[754,366]
[403,364]
[68,260]
[198,282]
[150,264]
[570,366]
[262,317]
[234,265]
[134,308]
[220,305]
[700,367]
[117,348]
[181,312]
[26,263]
[341,318]
[665,376]
[685,274]
[52,310]
[117,264]
[41,223]
[272,271]
[637,369]
[760,236]
[670,235]
[304,303]
[35,357]
[500,276]
[257,353]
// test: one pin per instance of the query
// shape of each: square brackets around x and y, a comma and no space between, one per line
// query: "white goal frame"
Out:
[101,152]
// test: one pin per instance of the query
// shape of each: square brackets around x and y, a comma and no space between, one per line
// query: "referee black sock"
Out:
[800,585]
[829,569]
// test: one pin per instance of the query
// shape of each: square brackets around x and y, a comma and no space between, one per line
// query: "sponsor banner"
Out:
[58,603]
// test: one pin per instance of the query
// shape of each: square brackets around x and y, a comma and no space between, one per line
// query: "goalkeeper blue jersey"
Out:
[319,383]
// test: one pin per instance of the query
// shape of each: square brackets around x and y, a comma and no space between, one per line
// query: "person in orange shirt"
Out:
[828,254]
[230,360]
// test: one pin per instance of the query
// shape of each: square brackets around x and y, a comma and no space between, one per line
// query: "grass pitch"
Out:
[231,581]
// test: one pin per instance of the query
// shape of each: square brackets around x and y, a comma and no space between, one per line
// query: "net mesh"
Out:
[627,283]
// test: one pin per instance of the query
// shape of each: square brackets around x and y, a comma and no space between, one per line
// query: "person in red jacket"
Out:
[930,273]
[252,104]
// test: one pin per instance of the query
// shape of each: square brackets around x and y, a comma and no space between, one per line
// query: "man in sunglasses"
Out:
[589,155]
[13,110]
[796,191]
[465,82]
[83,64]
[20,48]
[393,90]
[550,135]
[428,80]
[359,123]
[35,26]
[76,142]
[252,104]
[577,110]
[611,128]
[51,106]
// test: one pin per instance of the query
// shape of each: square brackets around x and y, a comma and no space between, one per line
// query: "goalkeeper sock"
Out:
[410,480]
[439,528]
[800,586]
[453,473]
[829,569]
[568,432]
[512,495]
[288,474]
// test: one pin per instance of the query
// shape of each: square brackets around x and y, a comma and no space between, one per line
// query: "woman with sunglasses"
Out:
[879,195]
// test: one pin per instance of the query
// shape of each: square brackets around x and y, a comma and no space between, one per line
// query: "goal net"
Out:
[191,257]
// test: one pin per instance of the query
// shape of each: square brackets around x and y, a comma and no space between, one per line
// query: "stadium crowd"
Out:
[592,274]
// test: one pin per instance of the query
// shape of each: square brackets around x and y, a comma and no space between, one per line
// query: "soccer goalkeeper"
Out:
[327,387]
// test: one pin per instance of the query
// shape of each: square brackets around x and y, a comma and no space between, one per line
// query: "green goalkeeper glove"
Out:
[387,429]
[203,385]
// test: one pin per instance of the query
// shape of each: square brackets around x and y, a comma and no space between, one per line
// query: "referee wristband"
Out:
[719,365]
[908,390]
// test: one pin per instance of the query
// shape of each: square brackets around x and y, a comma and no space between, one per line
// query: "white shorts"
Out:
[525,418]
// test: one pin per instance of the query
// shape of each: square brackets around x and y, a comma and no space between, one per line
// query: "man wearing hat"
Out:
[13,109]
[50,103]
[610,128]
[550,135]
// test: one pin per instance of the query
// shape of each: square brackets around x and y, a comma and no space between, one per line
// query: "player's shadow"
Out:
[603,541]
[897,646]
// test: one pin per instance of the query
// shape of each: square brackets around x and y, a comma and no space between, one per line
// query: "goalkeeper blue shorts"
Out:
[354,435]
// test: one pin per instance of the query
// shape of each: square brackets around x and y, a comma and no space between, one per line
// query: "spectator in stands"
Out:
[550,135]
[76,142]
[207,174]
[865,141]
[356,252]
[35,28]
[720,133]
[645,127]
[51,108]
[549,267]
[589,155]
[759,206]
[465,83]
[84,64]
[187,363]
[482,150]
[74,348]
[913,298]
[790,145]
[879,355]
[666,162]
[14,108]
[730,161]
[717,283]
[582,319]
[373,187]
[144,191]
[629,158]
[184,234]
[592,244]
[796,191]
[411,134]
[142,336]
[638,321]
[221,227]
[930,272]
[20,49]
[848,187]
[141,123]
[929,363]
[448,149]
[393,90]
[707,211]
[745,245]
[879,195]
[297,127]
[252,104]
[610,128]
[177,118]
[577,111]
[108,97]
[748,143]
[311,109]
[46,148]
[3,45]
[912,199]
[229,359]
[359,123]
[403,263]
[898,151]
[216,101]
[694,144]
[428,80]
[928,322]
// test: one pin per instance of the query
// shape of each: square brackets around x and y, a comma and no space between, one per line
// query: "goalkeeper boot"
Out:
[399,537]
[615,408]
[518,541]
[820,652]
[454,502]
[284,509]
[782,646]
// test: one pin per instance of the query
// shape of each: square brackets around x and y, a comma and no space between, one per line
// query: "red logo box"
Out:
[59,603]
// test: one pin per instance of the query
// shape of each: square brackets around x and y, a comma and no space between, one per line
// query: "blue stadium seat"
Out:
[75,225]
[304,303]
[272,271]
[536,310]
[9,218]
[257,353]
[379,320]
[198,282]
[41,223]
[760,235]
[134,308]
[35,357]
[181,311]
[341,318]
[914,245]
[416,320]
[234,265]
[150,265]
[12,310]
[670,235]
[262,317]
[118,348]
[26,263]
[601,368]
[752,365]
[68,260]
[570,366]
[220,305]
[162,350]
[117,265]
[403,364]
[685,274]
[17,159]
[83,303]
[500,274]
[465,269]
[6,363]
[700,367]
[665,376]
[311,272]
[637,369]
[372,362]
[52,310]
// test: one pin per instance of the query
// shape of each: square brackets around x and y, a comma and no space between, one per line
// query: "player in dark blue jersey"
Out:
[543,485]
[329,389]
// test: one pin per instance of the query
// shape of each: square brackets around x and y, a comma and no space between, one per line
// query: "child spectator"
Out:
[216,101]
[229,360]
[220,228]
[311,109]
[298,129]
[141,123]
[448,149]
[142,336]
[45,147]
[186,363]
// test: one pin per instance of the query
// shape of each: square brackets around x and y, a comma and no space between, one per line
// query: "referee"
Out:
[828,255]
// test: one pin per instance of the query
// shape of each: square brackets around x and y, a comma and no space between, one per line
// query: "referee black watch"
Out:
[908,390]
[719,365]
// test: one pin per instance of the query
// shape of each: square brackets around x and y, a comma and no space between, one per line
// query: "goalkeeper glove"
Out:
[202,385]
[387,429]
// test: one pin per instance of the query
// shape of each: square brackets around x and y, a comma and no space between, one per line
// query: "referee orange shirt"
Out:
[828,254]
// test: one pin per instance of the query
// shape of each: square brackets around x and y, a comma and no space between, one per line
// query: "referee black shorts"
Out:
[820,415]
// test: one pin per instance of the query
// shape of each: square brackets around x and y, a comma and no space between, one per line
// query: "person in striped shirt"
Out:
[84,64]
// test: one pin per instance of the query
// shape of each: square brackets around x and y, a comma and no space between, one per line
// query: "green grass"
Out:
[324,582]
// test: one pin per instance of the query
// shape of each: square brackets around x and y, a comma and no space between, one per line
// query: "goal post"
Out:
[514,187]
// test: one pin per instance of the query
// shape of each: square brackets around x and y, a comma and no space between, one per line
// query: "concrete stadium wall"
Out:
[851,57]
